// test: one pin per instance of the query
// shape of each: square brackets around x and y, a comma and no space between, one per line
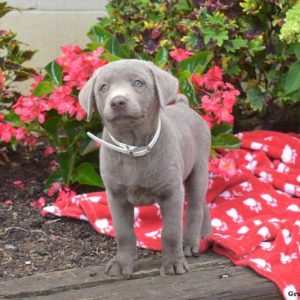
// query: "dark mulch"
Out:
[30,243]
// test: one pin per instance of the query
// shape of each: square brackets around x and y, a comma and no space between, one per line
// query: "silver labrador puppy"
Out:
[168,163]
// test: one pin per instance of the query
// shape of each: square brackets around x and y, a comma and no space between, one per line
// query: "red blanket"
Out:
[255,214]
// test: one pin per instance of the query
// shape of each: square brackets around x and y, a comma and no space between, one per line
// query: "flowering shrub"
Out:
[243,37]
[12,59]
[52,109]
[12,70]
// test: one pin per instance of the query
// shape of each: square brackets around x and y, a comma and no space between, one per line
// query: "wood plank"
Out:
[210,276]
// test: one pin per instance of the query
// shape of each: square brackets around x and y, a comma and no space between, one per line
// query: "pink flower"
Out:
[2,80]
[180,54]
[56,186]
[31,108]
[37,79]
[48,151]
[39,204]
[7,132]
[8,202]
[18,182]
[224,166]
[227,166]
[218,97]
[20,133]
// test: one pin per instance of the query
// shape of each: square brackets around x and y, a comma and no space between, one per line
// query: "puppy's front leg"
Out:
[173,260]
[123,219]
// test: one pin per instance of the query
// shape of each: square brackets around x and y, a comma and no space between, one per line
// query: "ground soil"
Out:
[31,243]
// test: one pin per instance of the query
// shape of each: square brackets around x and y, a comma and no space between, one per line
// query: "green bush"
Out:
[243,37]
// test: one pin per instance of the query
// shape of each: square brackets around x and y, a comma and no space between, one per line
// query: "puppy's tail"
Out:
[180,98]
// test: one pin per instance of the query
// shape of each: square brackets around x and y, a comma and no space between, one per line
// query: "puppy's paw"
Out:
[191,249]
[116,267]
[174,266]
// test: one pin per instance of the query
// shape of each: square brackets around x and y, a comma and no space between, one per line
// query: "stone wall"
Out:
[45,25]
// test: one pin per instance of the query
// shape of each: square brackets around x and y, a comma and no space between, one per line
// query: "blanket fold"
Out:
[255,215]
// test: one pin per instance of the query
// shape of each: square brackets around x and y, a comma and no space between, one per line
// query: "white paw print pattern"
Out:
[286,236]
[257,222]
[262,264]
[289,155]
[266,176]
[103,225]
[210,183]
[251,165]
[292,189]
[286,259]
[246,186]
[53,209]
[282,168]
[141,244]
[83,217]
[219,224]
[156,234]
[267,246]
[233,213]
[137,219]
[269,200]
[258,146]
[244,229]
[226,195]
[212,205]
[293,207]
[253,204]
[264,232]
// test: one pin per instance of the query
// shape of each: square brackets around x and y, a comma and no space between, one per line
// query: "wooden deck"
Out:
[210,277]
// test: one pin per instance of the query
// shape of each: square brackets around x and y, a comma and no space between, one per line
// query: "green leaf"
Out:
[116,48]
[51,126]
[67,162]
[292,82]
[196,63]
[187,88]
[225,140]
[143,56]
[256,98]
[56,176]
[161,57]
[43,88]
[13,118]
[183,5]
[98,35]
[86,174]
[110,57]
[55,72]
[297,50]
[221,128]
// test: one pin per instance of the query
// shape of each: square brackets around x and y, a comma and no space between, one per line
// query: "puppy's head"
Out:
[127,92]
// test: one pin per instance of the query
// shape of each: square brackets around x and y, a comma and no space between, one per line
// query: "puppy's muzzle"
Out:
[118,103]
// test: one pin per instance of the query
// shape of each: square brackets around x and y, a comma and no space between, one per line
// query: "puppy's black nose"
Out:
[118,103]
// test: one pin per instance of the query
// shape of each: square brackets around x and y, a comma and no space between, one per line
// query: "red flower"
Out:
[39,204]
[48,151]
[218,97]
[180,54]
[8,202]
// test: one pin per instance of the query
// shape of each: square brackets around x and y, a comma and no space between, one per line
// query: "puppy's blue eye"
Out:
[137,83]
[104,88]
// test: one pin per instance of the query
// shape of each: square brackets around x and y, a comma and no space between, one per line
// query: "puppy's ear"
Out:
[87,97]
[166,85]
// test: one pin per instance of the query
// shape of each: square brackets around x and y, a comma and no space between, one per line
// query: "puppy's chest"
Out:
[138,195]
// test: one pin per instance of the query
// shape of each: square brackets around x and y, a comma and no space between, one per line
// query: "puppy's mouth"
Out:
[125,118]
